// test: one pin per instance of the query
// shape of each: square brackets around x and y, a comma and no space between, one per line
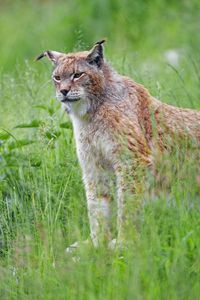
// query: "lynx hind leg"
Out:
[112,244]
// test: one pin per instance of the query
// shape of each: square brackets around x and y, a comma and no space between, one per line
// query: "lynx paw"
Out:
[116,244]
[112,244]
[75,246]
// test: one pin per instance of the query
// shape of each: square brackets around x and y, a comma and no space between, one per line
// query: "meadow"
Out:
[42,199]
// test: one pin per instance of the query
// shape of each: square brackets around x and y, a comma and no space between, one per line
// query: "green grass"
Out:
[42,200]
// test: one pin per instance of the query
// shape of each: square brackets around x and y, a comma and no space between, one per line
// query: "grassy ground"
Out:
[42,202]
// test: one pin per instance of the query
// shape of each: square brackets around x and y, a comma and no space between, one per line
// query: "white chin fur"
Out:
[78,108]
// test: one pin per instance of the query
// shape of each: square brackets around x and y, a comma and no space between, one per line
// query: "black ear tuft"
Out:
[100,42]
[51,55]
[47,53]
[40,56]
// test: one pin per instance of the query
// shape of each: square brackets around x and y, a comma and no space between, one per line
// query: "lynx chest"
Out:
[94,146]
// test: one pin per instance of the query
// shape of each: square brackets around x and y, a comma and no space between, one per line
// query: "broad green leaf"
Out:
[4,135]
[32,124]
[20,143]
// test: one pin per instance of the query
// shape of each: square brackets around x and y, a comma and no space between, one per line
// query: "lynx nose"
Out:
[64,92]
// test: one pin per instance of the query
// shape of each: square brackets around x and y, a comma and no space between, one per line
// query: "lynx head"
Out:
[78,77]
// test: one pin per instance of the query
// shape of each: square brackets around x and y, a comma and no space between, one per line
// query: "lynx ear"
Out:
[95,57]
[51,55]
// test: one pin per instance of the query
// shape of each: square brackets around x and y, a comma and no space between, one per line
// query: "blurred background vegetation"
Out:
[148,27]
[42,202]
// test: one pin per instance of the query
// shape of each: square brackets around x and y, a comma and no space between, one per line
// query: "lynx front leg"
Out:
[98,203]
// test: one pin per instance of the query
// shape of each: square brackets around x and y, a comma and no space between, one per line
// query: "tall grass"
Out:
[42,200]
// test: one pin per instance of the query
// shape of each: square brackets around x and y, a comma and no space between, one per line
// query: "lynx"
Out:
[117,127]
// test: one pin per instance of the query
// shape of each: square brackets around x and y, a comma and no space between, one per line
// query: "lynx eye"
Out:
[56,78]
[77,75]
